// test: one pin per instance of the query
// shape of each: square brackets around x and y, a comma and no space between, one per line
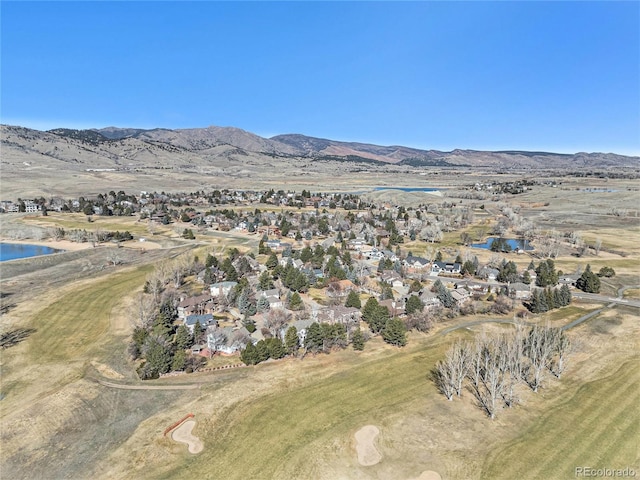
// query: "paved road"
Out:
[605,299]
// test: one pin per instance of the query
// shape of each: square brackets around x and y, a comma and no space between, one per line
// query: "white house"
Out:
[222,288]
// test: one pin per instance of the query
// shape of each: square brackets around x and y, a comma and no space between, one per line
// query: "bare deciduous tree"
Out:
[146,311]
[275,320]
[442,375]
[538,347]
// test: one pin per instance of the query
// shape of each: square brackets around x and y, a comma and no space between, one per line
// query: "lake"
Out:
[12,251]
[514,243]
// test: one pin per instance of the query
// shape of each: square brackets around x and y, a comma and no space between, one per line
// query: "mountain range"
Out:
[121,147]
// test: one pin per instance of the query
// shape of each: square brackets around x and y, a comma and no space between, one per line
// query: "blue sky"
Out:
[554,76]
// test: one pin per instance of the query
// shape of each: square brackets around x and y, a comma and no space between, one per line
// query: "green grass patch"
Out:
[597,427]
[568,313]
[79,320]
[274,436]
[79,222]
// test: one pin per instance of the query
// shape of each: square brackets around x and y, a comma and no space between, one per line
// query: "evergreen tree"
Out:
[157,355]
[262,351]
[353,300]
[443,294]
[306,254]
[231,275]
[416,286]
[394,332]
[565,295]
[607,272]
[588,281]
[369,308]
[438,256]
[272,261]
[357,339]
[414,304]
[249,355]
[198,332]
[468,268]
[379,319]
[546,274]
[291,341]
[179,361]
[276,348]
[264,281]
[295,303]
[262,305]
[300,282]
[183,338]
[550,298]
[313,340]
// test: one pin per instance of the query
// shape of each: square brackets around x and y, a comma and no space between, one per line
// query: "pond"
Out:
[514,243]
[13,251]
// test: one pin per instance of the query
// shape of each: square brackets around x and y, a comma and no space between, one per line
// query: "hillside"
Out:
[63,161]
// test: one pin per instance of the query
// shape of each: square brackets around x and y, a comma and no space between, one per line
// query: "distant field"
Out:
[597,427]
[71,221]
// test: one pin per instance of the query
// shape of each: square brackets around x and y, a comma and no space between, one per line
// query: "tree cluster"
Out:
[492,368]
[548,299]
[588,282]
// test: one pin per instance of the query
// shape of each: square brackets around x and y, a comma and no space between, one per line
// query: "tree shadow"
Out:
[14,337]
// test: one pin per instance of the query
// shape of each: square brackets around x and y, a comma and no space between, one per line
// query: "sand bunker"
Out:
[429,475]
[368,454]
[183,434]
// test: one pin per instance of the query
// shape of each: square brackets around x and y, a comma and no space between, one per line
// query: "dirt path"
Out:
[104,383]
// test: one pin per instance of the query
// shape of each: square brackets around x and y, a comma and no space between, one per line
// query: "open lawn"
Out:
[71,221]
[77,322]
[300,419]
[597,427]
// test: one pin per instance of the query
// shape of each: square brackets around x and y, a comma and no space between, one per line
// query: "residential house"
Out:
[461,295]
[430,300]
[339,314]
[302,326]
[393,278]
[416,264]
[227,340]
[340,288]
[205,320]
[446,267]
[488,273]
[520,291]
[194,305]
[395,307]
[222,289]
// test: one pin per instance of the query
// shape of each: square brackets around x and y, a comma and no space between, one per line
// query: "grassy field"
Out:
[71,221]
[302,418]
[73,325]
[597,427]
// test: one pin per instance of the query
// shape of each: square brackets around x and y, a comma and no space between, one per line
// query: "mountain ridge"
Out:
[211,144]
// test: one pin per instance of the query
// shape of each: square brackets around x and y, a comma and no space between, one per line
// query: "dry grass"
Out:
[598,427]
